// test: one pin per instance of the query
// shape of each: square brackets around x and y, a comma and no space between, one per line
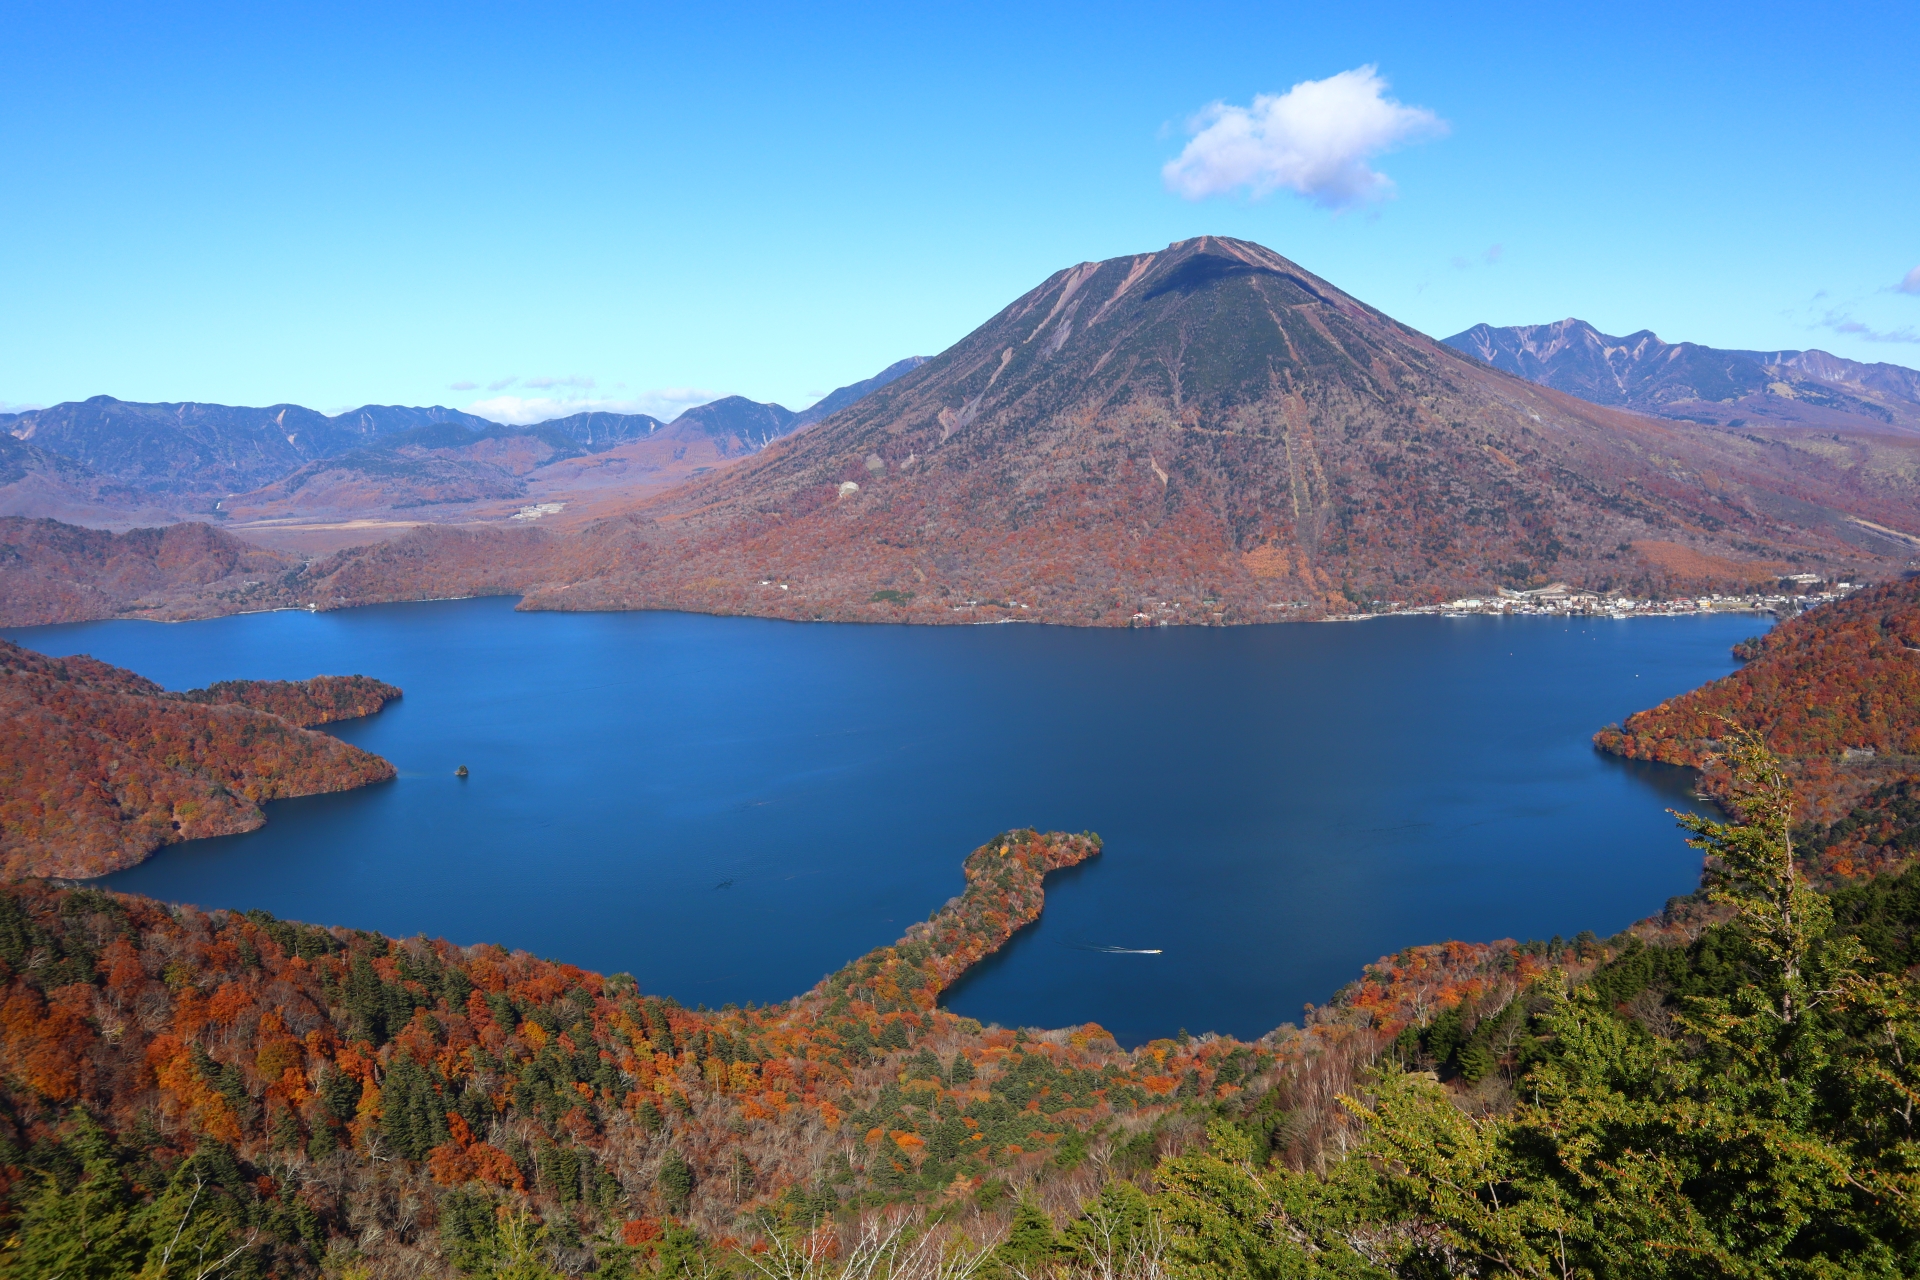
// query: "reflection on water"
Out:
[730,808]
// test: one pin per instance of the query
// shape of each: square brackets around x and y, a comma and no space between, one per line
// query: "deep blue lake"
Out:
[730,808]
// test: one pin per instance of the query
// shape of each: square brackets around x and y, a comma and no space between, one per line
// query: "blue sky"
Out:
[526,205]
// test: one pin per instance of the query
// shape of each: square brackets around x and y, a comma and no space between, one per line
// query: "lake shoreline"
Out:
[623,764]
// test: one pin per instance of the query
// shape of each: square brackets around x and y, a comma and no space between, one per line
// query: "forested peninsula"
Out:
[99,767]
[1835,693]
[1726,1089]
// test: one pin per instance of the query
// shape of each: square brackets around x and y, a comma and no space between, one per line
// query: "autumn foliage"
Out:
[1836,693]
[305,703]
[1208,434]
[365,1071]
[1844,675]
[99,766]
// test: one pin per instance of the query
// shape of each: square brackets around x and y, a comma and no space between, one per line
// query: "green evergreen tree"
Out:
[86,1231]
[283,1131]
[1031,1242]
[676,1181]
[520,1256]
[193,1231]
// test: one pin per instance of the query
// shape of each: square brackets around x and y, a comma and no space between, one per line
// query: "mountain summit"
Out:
[1213,429]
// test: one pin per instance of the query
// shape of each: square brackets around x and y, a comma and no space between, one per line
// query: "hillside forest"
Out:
[99,767]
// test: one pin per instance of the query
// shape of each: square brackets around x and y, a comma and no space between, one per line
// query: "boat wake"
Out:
[1123,951]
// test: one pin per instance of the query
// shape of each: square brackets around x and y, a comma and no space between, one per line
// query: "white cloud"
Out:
[462,386]
[1912,283]
[1314,140]
[501,384]
[666,404]
[571,380]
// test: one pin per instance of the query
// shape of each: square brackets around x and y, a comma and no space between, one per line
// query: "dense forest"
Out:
[1727,1089]
[1844,677]
[1835,693]
[99,766]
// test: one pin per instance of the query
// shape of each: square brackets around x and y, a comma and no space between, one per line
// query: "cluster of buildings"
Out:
[1560,599]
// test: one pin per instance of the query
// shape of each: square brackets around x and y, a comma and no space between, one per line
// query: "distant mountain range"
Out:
[1693,383]
[107,461]
[194,449]
[1208,433]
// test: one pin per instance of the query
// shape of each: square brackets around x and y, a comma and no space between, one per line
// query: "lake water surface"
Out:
[729,808]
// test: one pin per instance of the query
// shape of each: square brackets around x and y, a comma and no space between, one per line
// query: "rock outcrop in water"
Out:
[99,767]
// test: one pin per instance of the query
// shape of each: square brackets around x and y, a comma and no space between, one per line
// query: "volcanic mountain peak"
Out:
[841,397]
[1214,425]
[755,424]
[1197,329]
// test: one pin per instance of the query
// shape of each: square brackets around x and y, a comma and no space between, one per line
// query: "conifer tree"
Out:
[86,1231]
[676,1181]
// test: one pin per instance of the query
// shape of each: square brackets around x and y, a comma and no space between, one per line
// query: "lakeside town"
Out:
[1790,596]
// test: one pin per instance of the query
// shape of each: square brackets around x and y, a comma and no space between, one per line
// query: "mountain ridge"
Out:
[1689,381]
[116,463]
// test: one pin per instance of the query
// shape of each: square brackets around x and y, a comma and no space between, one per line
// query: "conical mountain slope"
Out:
[1213,432]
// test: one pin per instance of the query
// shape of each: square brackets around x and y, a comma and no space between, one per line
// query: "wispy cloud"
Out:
[666,404]
[501,384]
[1841,322]
[1490,257]
[462,386]
[1315,140]
[571,380]
[1842,315]
[1912,283]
